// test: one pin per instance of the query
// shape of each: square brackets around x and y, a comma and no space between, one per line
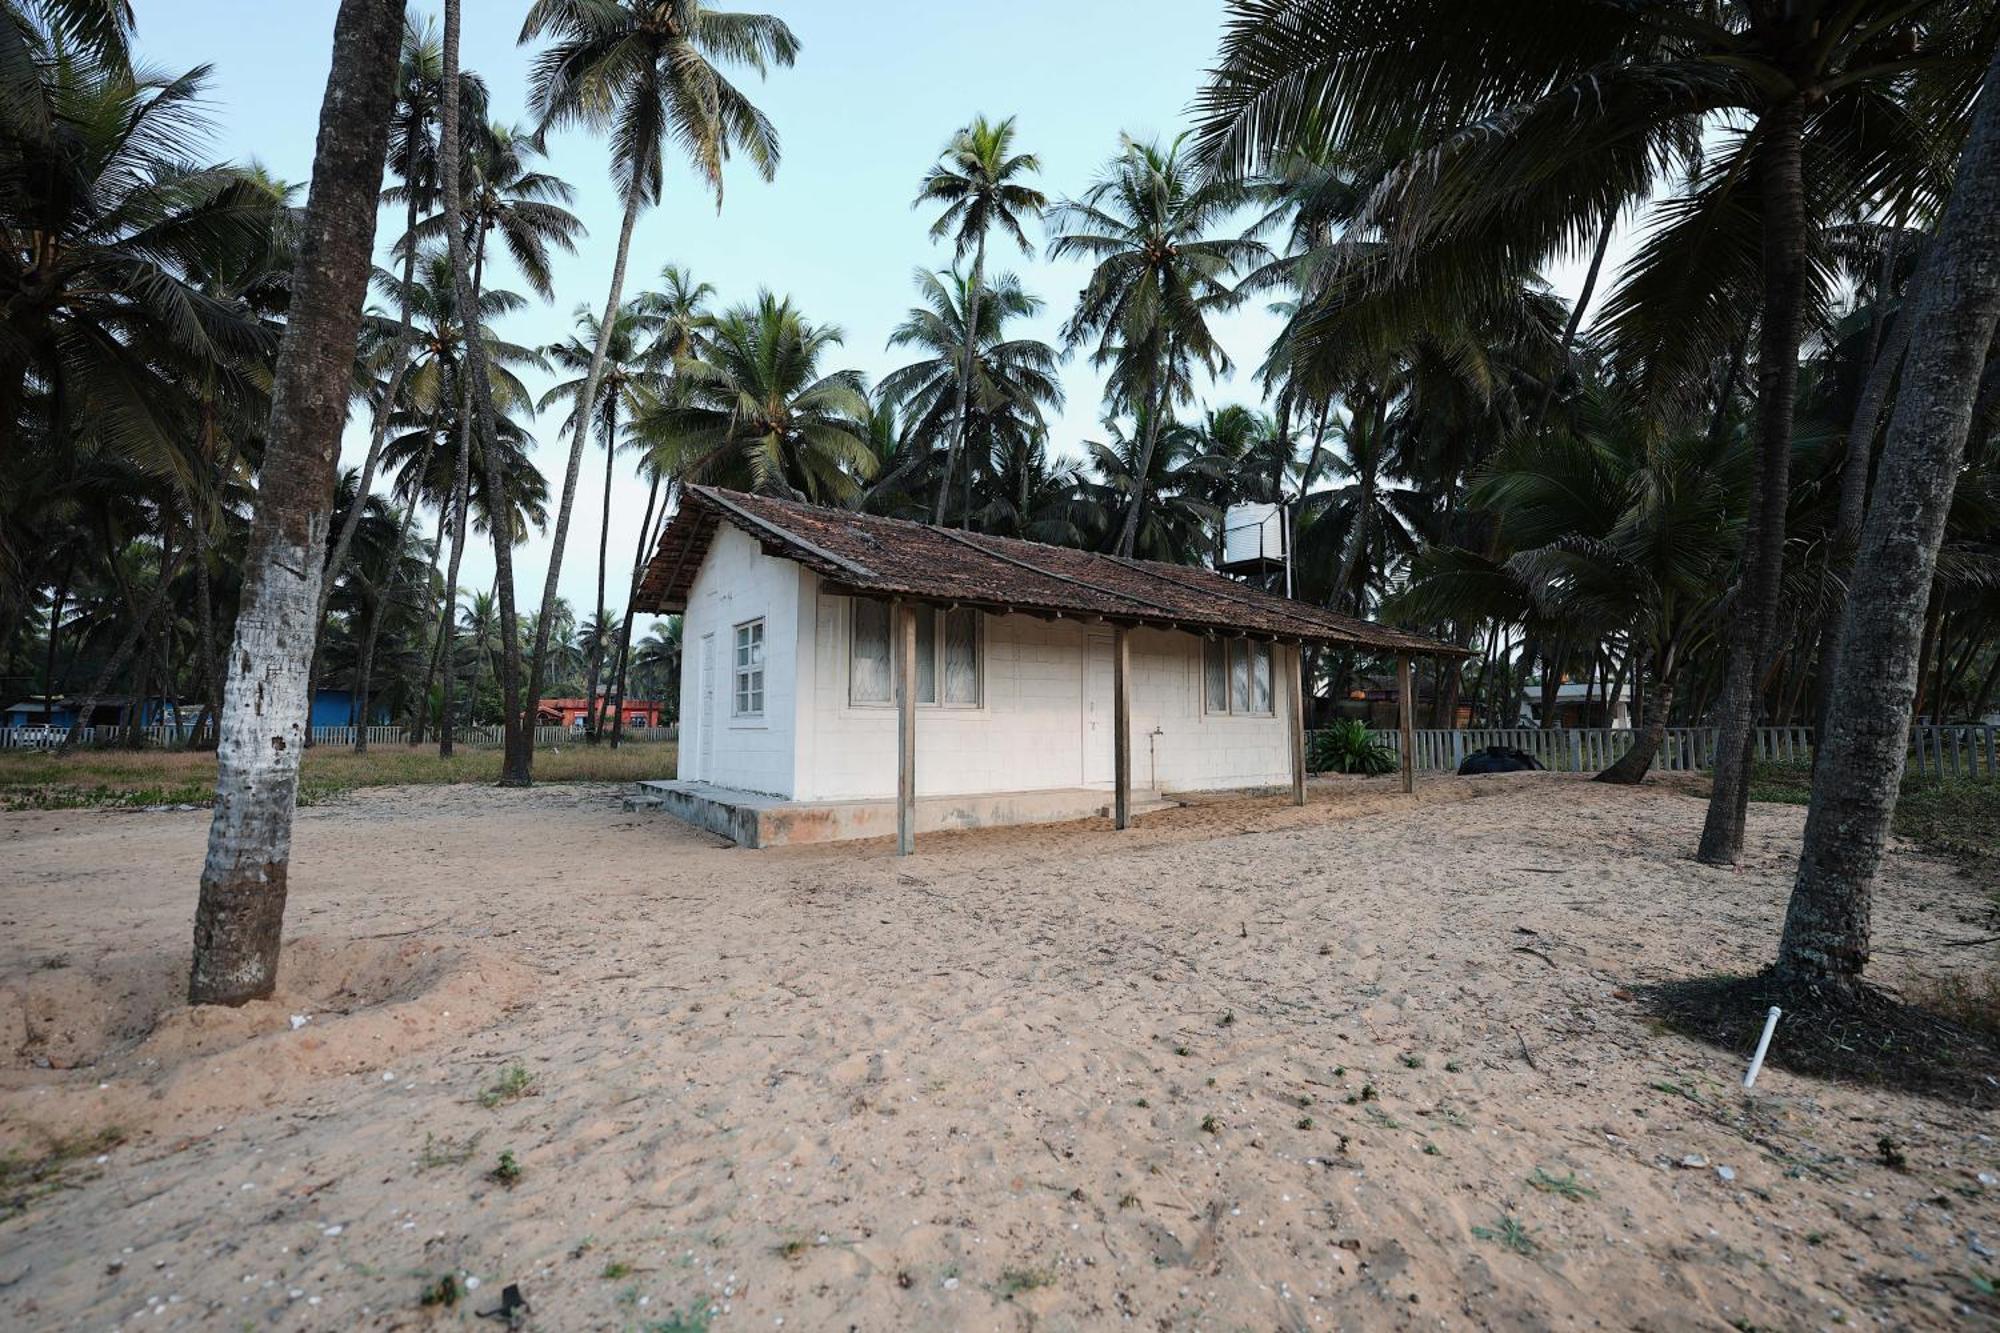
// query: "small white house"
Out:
[847,675]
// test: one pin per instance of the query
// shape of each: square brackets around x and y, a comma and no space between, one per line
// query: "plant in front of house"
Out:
[1347,746]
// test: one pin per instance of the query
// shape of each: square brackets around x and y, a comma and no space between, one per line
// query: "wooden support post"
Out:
[904,620]
[1406,715]
[1121,726]
[1296,688]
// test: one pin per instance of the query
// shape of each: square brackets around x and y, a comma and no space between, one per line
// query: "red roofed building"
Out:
[575,713]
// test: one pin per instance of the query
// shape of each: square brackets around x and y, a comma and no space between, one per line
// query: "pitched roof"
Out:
[867,555]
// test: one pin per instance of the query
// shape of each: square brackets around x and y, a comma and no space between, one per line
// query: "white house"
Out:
[1026,666]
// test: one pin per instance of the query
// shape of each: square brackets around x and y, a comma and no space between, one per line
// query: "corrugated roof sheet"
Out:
[890,557]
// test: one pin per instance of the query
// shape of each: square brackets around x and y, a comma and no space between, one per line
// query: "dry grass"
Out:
[40,780]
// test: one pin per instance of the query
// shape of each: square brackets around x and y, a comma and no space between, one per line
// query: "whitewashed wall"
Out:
[1044,719]
[738,582]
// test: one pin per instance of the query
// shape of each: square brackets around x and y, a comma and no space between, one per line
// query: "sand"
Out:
[1244,1066]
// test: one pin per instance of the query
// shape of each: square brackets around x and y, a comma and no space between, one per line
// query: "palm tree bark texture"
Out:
[1861,758]
[240,915]
[1781,187]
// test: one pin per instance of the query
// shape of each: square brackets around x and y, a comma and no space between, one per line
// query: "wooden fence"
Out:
[166,736]
[1947,751]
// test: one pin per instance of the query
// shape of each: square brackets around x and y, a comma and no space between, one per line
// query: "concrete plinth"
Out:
[754,820]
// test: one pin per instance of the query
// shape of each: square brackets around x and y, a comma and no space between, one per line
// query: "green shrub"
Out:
[1347,746]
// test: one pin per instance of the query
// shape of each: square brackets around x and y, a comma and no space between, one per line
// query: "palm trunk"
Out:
[420,710]
[625,629]
[1576,317]
[1826,936]
[584,408]
[594,720]
[1781,185]
[961,416]
[461,505]
[399,367]
[1884,359]
[365,669]
[240,915]
[1631,767]
[1128,536]
[466,280]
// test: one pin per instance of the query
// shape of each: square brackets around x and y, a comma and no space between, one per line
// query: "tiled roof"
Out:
[890,557]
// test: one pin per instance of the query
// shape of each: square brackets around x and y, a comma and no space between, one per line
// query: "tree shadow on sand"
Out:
[1865,1035]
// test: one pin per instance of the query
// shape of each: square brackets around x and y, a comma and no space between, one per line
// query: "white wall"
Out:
[1033,728]
[738,582]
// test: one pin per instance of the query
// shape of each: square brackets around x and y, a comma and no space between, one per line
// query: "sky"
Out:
[876,91]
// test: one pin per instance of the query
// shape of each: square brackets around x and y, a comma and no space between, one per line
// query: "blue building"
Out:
[335,708]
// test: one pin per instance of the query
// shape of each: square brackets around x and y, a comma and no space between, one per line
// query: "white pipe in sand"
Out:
[1763,1045]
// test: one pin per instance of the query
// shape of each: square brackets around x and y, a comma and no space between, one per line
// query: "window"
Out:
[1236,677]
[750,669]
[948,672]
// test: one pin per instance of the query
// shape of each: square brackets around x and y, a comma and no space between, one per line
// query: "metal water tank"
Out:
[1253,537]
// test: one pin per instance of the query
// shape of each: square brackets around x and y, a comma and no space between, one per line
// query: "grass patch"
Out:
[1014,1281]
[514,1083]
[23,1180]
[1566,1186]
[1955,818]
[42,780]
[1509,1234]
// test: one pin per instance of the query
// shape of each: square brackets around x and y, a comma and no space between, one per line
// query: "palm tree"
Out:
[240,915]
[1773,116]
[680,320]
[978,178]
[644,71]
[626,387]
[1158,276]
[1826,937]
[1012,381]
[1364,522]
[757,414]
[413,154]
[1159,472]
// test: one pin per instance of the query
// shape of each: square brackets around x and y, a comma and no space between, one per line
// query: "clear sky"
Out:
[877,89]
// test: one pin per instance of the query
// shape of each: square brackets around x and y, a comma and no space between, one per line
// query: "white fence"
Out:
[1948,751]
[166,736]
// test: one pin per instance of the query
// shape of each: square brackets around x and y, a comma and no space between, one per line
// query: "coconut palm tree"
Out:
[1825,944]
[1158,276]
[1770,116]
[1168,491]
[756,412]
[627,385]
[980,180]
[645,72]
[240,915]
[1013,380]
[680,321]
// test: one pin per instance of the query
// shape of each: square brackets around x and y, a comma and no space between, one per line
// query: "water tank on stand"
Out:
[1253,538]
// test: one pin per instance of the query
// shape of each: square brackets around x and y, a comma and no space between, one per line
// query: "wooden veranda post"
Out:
[1296,688]
[905,621]
[1121,726]
[1406,711]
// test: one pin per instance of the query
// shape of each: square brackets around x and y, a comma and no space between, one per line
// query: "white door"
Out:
[1100,707]
[706,756]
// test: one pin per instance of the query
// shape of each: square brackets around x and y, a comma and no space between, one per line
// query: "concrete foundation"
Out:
[752,820]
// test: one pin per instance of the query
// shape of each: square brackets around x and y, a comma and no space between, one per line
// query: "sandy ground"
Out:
[1244,1066]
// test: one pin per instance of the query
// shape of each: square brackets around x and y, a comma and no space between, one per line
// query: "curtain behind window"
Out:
[1260,677]
[1215,675]
[926,655]
[961,657]
[869,677]
[1239,676]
